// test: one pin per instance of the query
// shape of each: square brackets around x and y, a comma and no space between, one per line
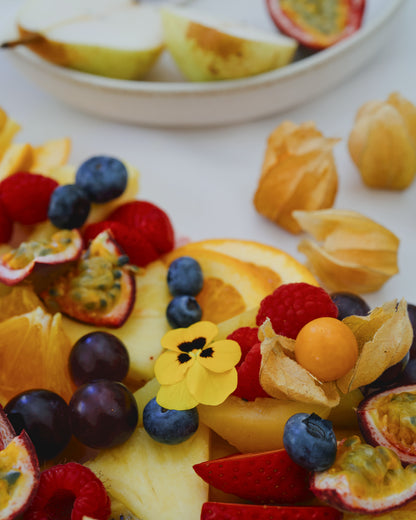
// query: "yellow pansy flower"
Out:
[195,369]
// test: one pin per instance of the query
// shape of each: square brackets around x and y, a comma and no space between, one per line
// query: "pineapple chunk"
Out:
[150,478]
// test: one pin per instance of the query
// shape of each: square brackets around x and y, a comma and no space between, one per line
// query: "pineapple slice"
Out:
[149,478]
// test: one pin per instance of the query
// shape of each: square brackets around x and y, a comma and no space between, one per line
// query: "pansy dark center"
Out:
[195,344]
[208,352]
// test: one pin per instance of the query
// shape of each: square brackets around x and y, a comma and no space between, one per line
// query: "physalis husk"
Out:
[352,253]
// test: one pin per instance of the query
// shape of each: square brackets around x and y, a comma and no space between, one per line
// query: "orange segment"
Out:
[20,300]
[34,354]
[230,285]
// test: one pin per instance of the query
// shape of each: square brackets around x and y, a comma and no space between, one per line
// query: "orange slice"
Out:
[231,286]
[34,353]
[274,264]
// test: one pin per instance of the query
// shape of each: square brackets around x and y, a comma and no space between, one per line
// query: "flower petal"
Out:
[168,368]
[220,356]
[210,387]
[175,337]
[176,397]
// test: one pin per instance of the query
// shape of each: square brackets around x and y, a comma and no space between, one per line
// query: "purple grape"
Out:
[409,375]
[390,378]
[98,355]
[411,309]
[103,414]
[349,304]
[45,417]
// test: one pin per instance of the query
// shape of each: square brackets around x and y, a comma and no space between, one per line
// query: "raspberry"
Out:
[246,337]
[293,305]
[25,196]
[6,226]
[150,220]
[69,492]
[248,386]
[136,246]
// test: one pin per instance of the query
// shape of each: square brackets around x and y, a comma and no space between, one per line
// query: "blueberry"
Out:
[69,207]
[310,441]
[169,426]
[183,311]
[102,178]
[185,276]
[349,304]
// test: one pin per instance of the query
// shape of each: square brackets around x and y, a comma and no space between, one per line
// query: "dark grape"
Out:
[411,309]
[45,417]
[103,414]
[98,355]
[349,304]
[390,378]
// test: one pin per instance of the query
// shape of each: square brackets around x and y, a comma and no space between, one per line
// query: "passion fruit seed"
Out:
[327,348]
[28,251]
[364,478]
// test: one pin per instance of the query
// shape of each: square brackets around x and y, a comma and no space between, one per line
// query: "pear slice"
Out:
[114,38]
[206,48]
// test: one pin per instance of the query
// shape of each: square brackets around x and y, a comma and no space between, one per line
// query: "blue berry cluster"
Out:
[185,280]
[99,179]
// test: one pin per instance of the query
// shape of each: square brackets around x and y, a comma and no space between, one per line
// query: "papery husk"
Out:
[356,254]
[384,337]
[298,172]
[283,378]
[382,143]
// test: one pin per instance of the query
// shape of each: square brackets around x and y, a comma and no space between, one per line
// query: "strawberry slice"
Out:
[223,511]
[150,220]
[265,477]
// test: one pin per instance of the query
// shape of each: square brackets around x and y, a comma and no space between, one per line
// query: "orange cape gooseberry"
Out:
[327,348]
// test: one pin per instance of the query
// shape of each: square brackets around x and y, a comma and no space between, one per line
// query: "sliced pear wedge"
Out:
[206,48]
[114,38]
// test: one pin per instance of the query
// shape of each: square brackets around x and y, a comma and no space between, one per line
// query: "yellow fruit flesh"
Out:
[254,425]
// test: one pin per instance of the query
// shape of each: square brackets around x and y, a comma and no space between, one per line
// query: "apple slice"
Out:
[114,38]
[206,48]
[19,470]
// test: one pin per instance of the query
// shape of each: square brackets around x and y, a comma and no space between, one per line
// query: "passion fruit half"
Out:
[99,289]
[61,247]
[365,479]
[389,419]
[19,470]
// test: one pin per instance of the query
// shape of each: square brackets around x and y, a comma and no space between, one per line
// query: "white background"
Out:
[206,178]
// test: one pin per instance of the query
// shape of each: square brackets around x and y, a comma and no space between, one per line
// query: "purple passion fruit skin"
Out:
[389,419]
[100,290]
[365,479]
[63,246]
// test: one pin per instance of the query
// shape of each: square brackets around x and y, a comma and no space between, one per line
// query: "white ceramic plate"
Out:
[164,99]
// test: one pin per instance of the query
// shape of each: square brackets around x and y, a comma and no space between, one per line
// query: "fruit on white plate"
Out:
[114,38]
[206,48]
[154,480]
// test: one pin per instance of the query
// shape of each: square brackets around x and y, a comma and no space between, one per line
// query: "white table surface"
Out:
[205,179]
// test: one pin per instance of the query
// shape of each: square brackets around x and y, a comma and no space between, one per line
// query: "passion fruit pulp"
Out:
[389,419]
[365,479]
[61,247]
[100,289]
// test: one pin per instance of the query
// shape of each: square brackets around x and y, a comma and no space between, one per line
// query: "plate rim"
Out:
[184,88]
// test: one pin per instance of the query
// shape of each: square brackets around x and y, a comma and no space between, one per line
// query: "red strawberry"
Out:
[136,246]
[25,196]
[293,305]
[270,477]
[69,491]
[246,337]
[6,226]
[150,220]
[248,386]
[222,511]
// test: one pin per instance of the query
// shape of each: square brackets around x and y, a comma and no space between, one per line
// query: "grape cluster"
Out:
[102,412]
[185,280]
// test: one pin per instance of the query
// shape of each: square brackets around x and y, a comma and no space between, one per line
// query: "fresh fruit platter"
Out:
[148,377]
